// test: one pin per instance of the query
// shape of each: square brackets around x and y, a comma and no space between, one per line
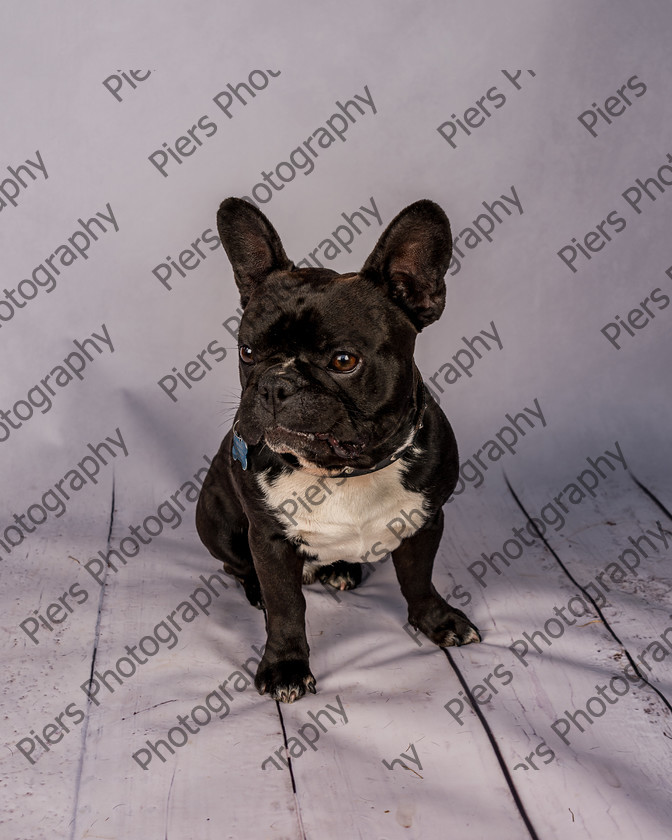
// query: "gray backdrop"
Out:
[542,129]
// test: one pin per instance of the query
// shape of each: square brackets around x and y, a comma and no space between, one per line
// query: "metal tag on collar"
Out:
[239,450]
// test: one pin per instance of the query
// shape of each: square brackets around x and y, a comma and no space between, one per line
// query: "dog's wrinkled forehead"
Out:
[313,310]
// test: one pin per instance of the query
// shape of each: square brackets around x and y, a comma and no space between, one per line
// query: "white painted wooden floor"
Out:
[390,746]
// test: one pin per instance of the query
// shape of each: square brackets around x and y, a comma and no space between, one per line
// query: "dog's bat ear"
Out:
[251,244]
[411,259]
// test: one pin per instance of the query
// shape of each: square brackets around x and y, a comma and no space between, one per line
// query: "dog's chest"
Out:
[358,519]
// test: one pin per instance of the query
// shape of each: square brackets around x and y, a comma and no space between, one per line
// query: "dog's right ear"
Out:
[251,244]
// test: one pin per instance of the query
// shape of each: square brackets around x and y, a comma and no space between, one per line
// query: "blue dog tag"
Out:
[239,450]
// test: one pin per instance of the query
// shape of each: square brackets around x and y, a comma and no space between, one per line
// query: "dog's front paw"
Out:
[448,628]
[286,681]
[456,631]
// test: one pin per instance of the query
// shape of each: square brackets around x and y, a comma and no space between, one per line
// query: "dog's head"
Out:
[326,359]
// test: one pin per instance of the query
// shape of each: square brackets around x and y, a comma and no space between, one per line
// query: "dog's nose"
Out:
[274,387]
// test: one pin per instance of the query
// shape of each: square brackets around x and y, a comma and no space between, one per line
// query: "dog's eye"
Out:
[246,354]
[343,362]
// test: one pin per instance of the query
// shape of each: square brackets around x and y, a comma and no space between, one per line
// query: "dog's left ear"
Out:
[251,244]
[411,259]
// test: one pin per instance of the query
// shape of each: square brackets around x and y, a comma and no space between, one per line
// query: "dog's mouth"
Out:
[282,439]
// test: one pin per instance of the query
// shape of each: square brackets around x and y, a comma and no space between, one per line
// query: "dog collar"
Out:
[239,448]
[351,472]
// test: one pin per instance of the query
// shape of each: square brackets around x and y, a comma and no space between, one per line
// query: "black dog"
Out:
[338,451]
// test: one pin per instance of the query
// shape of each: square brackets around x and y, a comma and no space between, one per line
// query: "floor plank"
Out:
[397,751]
[175,701]
[393,693]
[43,681]
[563,676]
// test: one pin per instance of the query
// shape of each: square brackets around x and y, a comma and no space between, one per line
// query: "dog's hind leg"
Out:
[341,575]
[223,528]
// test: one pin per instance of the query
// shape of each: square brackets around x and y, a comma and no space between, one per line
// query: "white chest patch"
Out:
[358,519]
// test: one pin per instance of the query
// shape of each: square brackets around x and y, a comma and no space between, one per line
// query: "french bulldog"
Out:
[338,454]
